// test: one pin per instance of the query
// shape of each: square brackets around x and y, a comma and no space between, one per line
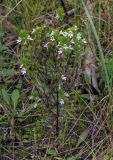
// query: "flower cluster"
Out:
[67,39]
[33,30]
[63,78]
[52,38]
[62,43]
[23,70]
[46,45]
[68,34]
[19,40]
[61,102]
[60,51]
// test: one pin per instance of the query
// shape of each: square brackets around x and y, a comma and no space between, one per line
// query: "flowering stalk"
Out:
[57,114]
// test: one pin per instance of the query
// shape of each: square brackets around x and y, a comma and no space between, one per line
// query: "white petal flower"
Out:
[63,78]
[60,51]
[21,66]
[64,33]
[29,38]
[61,32]
[23,71]
[72,41]
[57,17]
[52,38]
[19,40]
[79,36]
[35,105]
[66,94]
[52,33]
[70,34]
[61,102]
[84,41]
[33,30]
[65,46]
[46,45]
[70,47]
[30,97]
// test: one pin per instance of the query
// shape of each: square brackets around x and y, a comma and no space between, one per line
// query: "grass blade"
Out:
[98,43]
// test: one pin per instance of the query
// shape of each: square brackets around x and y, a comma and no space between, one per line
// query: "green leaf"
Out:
[52,152]
[106,157]
[23,34]
[15,97]
[60,13]
[83,136]
[18,86]
[1,34]
[7,72]
[38,29]
[6,96]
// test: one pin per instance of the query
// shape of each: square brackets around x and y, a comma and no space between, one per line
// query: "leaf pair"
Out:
[10,100]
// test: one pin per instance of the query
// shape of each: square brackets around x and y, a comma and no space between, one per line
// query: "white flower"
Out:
[65,46]
[64,33]
[70,34]
[30,97]
[66,94]
[70,47]
[61,32]
[60,51]
[84,41]
[33,31]
[61,102]
[23,71]
[19,40]
[52,38]
[52,33]
[72,41]
[46,45]
[21,66]
[63,78]
[29,38]
[79,36]
[35,105]
[57,17]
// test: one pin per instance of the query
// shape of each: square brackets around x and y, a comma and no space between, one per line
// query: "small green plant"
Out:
[50,54]
[44,69]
